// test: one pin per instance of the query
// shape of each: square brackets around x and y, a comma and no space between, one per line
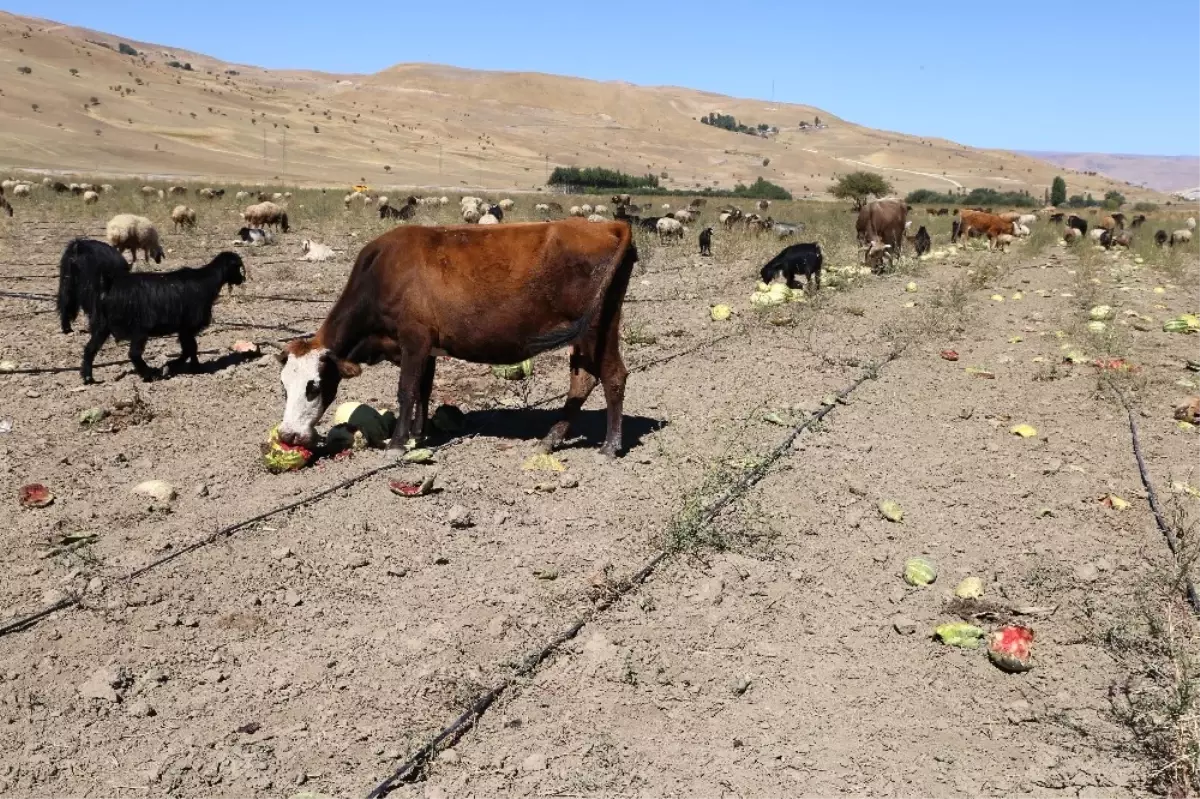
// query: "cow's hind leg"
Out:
[612,376]
[426,388]
[584,375]
[412,366]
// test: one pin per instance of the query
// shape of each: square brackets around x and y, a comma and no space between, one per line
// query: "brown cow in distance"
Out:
[982,223]
[491,294]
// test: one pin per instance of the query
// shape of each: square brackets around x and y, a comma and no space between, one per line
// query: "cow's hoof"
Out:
[610,451]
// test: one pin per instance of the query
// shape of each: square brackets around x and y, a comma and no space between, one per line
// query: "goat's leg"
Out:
[99,336]
[188,352]
[136,346]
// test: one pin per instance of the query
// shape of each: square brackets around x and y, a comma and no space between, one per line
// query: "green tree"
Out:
[1058,191]
[1113,200]
[858,185]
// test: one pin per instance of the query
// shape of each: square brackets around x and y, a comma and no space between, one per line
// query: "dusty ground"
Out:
[322,646]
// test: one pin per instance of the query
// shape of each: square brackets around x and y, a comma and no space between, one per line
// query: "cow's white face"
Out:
[306,395]
[310,381]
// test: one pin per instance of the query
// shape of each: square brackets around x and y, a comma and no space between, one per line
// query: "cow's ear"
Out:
[348,369]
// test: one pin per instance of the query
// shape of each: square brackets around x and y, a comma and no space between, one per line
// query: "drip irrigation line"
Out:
[1160,519]
[31,619]
[411,768]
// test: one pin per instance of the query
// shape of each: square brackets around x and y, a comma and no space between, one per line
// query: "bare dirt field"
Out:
[774,650]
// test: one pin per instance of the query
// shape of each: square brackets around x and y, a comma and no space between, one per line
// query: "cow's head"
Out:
[310,378]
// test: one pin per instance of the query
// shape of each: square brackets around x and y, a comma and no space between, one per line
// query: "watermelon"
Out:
[516,371]
[1010,648]
[919,571]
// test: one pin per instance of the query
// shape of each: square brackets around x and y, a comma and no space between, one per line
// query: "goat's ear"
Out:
[282,357]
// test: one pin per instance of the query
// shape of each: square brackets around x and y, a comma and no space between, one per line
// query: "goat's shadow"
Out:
[171,368]
[532,424]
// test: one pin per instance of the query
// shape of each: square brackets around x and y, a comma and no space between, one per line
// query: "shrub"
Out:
[600,178]
[1145,207]
[1113,200]
[762,190]
[24,70]
[125,49]
[857,185]
[976,197]
[1058,191]
[730,123]
[74,72]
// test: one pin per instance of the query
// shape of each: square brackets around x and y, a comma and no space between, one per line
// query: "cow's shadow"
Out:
[532,424]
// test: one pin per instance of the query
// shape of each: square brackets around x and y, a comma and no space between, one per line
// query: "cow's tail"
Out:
[606,302]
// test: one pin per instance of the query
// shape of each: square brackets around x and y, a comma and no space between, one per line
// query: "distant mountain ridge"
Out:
[1165,173]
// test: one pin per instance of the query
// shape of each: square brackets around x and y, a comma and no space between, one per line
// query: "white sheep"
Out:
[1002,241]
[1181,236]
[277,196]
[666,206]
[471,215]
[242,195]
[74,188]
[506,204]
[488,219]
[315,251]
[597,218]
[381,200]
[107,188]
[1071,235]
[149,191]
[1095,233]
[601,209]
[183,217]
[1027,219]
[87,186]
[90,197]
[287,195]
[1020,230]
[575,210]
[1191,223]
[266,213]
[132,232]
[683,216]
[21,190]
[46,181]
[161,195]
[7,185]
[587,209]
[443,200]
[542,208]
[669,228]
[173,190]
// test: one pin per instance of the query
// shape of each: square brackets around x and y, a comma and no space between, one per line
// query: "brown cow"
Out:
[492,294]
[969,222]
[883,221]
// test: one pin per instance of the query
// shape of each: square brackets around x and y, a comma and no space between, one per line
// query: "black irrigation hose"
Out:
[28,621]
[411,768]
[22,295]
[1189,587]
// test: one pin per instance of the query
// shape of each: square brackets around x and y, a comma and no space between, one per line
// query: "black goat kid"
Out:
[85,268]
[137,306]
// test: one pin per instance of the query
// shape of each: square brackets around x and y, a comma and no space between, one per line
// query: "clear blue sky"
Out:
[1111,76]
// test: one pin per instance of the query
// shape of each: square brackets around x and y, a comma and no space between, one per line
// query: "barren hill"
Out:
[72,102]
[1167,173]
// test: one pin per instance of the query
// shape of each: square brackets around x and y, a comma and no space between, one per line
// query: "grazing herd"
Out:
[414,292]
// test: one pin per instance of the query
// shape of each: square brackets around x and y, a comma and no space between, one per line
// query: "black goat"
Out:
[1138,221]
[646,222]
[797,259]
[1077,222]
[497,212]
[134,307]
[706,241]
[86,267]
[403,212]
[1160,238]
[1057,217]
[921,242]
[4,206]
